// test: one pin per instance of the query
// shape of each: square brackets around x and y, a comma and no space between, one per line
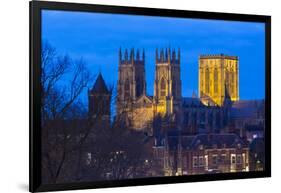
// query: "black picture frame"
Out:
[34,99]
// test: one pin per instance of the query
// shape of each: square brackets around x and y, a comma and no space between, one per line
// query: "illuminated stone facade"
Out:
[167,83]
[132,97]
[204,134]
[218,75]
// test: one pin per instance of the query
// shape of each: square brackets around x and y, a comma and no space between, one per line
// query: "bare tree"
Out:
[62,82]
[117,151]
[74,146]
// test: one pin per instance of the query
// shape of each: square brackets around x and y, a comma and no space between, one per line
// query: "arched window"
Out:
[233,82]
[174,88]
[215,81]
[138,89]
[163,87]
[127,89]
[207,86]
[226,77]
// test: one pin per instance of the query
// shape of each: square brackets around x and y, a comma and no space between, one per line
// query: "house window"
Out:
[201,161]
[195,161]
[88,158]
[239,159]
[215,159]
[223,158]
[233,158]
[206,162]
[171,162]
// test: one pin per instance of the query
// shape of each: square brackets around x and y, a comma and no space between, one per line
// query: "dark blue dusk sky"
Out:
[97,37]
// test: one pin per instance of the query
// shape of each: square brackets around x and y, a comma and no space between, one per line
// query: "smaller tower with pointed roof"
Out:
[99,101]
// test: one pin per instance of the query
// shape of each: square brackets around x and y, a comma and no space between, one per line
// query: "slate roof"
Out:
[246,108]
[254,128]
[208,141]
[100,86]
[191,101]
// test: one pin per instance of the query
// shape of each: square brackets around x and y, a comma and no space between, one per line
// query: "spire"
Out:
[169,55]
[120,55]
[126,55]
[132,55]
[194,95]
[100,86]
[173,55]
[143,55]
[179,52]
[138,54]
[166,55]
[162,55]
[156,55]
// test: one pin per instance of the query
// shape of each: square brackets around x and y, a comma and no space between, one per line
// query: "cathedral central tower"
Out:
[218,77]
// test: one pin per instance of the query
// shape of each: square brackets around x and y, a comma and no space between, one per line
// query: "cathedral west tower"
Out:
[167,83]
[131,78]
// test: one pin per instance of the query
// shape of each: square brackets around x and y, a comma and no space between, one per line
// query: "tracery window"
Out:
[163,87]
[207,86]
[127,89]
[215,81]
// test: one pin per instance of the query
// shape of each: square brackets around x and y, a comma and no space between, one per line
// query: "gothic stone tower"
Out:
[131,78]
[99,102]
[218,74]
[167,84]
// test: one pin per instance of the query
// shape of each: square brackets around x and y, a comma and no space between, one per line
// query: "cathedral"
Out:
[200,134]
[190,113]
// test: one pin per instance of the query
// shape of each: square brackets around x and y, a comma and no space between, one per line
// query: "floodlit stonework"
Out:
[216,74]
[132,96]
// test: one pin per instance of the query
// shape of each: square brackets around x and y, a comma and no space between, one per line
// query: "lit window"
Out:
[89,158]
[206,162]
[233,158]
